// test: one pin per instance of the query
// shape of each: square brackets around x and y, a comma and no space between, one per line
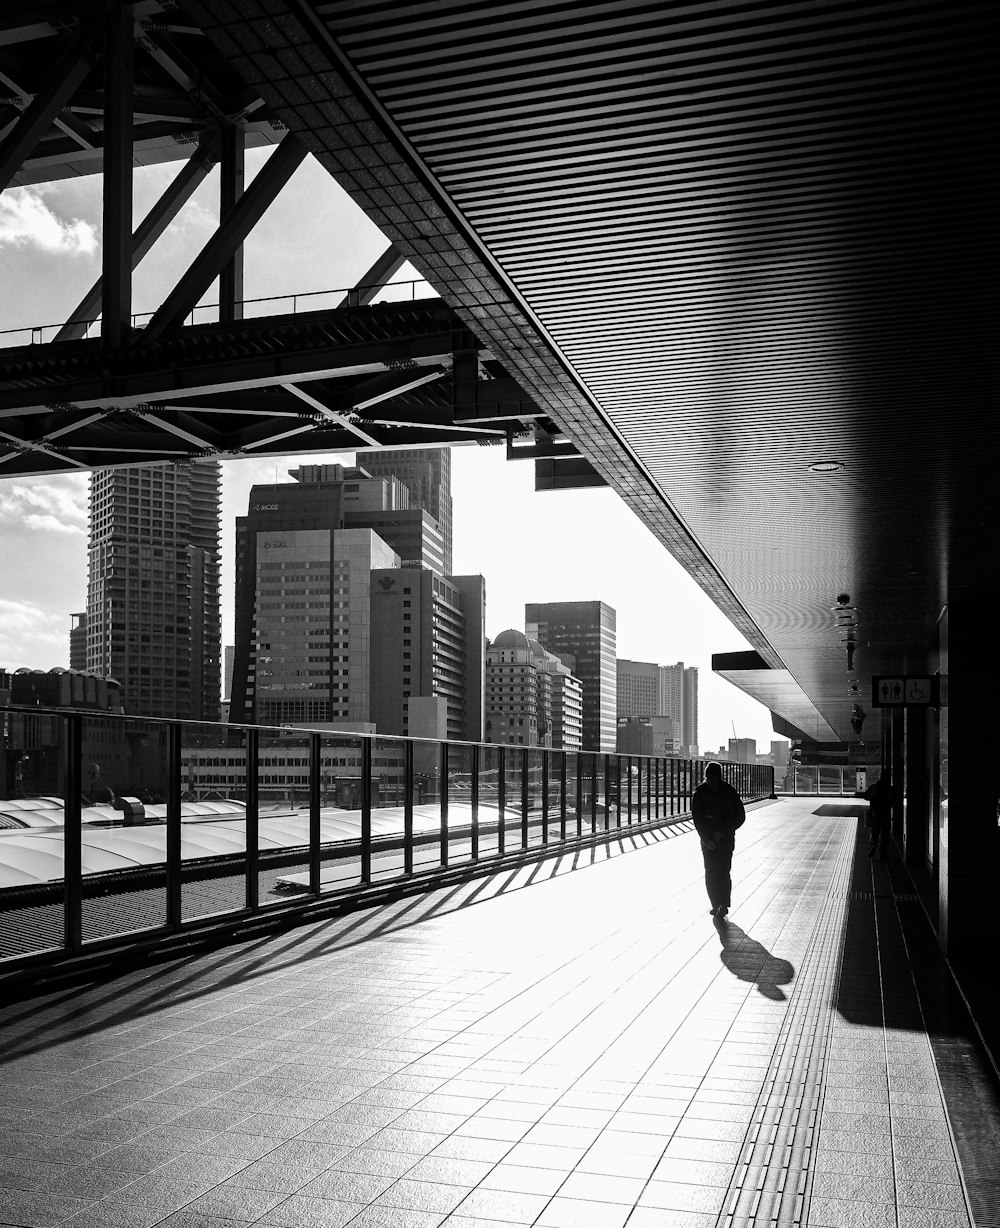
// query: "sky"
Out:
[554,546]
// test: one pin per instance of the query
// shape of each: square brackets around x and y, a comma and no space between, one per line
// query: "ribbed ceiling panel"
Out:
[760,235]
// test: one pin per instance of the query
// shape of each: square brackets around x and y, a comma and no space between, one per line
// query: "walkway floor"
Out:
[565,1049]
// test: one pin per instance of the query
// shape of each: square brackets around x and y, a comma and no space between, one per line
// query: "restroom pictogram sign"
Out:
[904,691]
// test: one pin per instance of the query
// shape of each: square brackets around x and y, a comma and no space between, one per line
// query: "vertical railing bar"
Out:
[73,837]
[474,801]
[444,804]
[649,806]
[524,797]
[563,800]
[315,753]
[579,792]
[545,796]
[366,811]
[501,800]
[607,792]
[173,834]
[593,792]
[407,807]
[629,765]
[251,748]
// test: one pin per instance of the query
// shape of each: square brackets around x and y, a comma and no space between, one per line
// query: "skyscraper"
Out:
[582,635]
[78,641]
[427,643]
[638,688]
[332,629]
[153,590]
[426,474]
[679,701]
[302,593]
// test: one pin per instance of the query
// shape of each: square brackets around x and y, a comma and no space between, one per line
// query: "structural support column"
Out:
[917,803]
[969,784]
[116,274]
[897,771]
[231,181]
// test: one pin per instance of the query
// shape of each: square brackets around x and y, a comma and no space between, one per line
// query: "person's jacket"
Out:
[879,801]
[717,815]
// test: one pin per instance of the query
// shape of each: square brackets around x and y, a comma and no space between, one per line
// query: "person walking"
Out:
[717,812]
[879,817]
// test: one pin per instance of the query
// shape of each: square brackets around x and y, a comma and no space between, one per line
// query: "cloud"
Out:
[27,220]
[53,507]
[31,636]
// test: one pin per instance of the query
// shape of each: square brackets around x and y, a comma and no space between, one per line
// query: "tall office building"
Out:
[679,701]
[426,474]
[427,643]
[743,750]
[638,688]
[582,635]
[318,640]
[153,590]
[78,641]
[532,698]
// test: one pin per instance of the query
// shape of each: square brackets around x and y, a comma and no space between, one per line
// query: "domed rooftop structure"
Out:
[511,639]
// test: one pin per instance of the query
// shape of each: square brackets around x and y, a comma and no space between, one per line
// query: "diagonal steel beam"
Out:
[67,74]
[177,194]
[272,436]
[116,236]
[393,386]
[233,229]
[384,269]
[74,128]
[329,414]
[178,429]
[28,445]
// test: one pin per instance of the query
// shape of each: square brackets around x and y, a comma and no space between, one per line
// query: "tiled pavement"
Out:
[566,1049]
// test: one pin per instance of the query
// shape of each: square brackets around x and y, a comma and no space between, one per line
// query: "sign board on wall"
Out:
[905,691]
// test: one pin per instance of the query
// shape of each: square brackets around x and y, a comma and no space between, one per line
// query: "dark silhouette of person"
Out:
[717,812]
[750,961]
[879,818]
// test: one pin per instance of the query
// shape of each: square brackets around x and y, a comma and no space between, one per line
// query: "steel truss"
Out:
[95,88]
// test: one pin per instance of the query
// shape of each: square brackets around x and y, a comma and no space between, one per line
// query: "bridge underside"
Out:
[391,375]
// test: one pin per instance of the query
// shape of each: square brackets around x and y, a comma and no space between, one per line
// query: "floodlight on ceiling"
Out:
[826,466]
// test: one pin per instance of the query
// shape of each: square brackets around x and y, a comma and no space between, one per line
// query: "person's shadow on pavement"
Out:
[752,962]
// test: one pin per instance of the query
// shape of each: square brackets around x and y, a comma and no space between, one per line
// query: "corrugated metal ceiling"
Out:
[720,242]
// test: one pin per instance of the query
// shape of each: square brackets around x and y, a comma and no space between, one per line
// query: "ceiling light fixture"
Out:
[826,466]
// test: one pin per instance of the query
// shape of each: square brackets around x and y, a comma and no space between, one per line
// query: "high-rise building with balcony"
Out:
[153,588]
[582,635]
[426,474]
[679,701]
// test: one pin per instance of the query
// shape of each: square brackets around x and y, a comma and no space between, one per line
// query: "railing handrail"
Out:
[347,734]
[537,803]
[36,330]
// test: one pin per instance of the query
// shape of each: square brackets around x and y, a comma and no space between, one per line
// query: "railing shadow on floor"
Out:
[22,1031]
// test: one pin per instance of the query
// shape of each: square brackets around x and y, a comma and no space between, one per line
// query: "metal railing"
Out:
[251,308]
[825,780]
[120,830]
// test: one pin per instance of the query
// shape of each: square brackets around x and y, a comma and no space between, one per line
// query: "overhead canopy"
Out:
[798,716]
[744,256]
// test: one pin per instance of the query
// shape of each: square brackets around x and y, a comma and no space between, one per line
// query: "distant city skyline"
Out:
[573,545]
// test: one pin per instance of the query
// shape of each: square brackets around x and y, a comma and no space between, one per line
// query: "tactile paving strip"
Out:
[770,1184]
